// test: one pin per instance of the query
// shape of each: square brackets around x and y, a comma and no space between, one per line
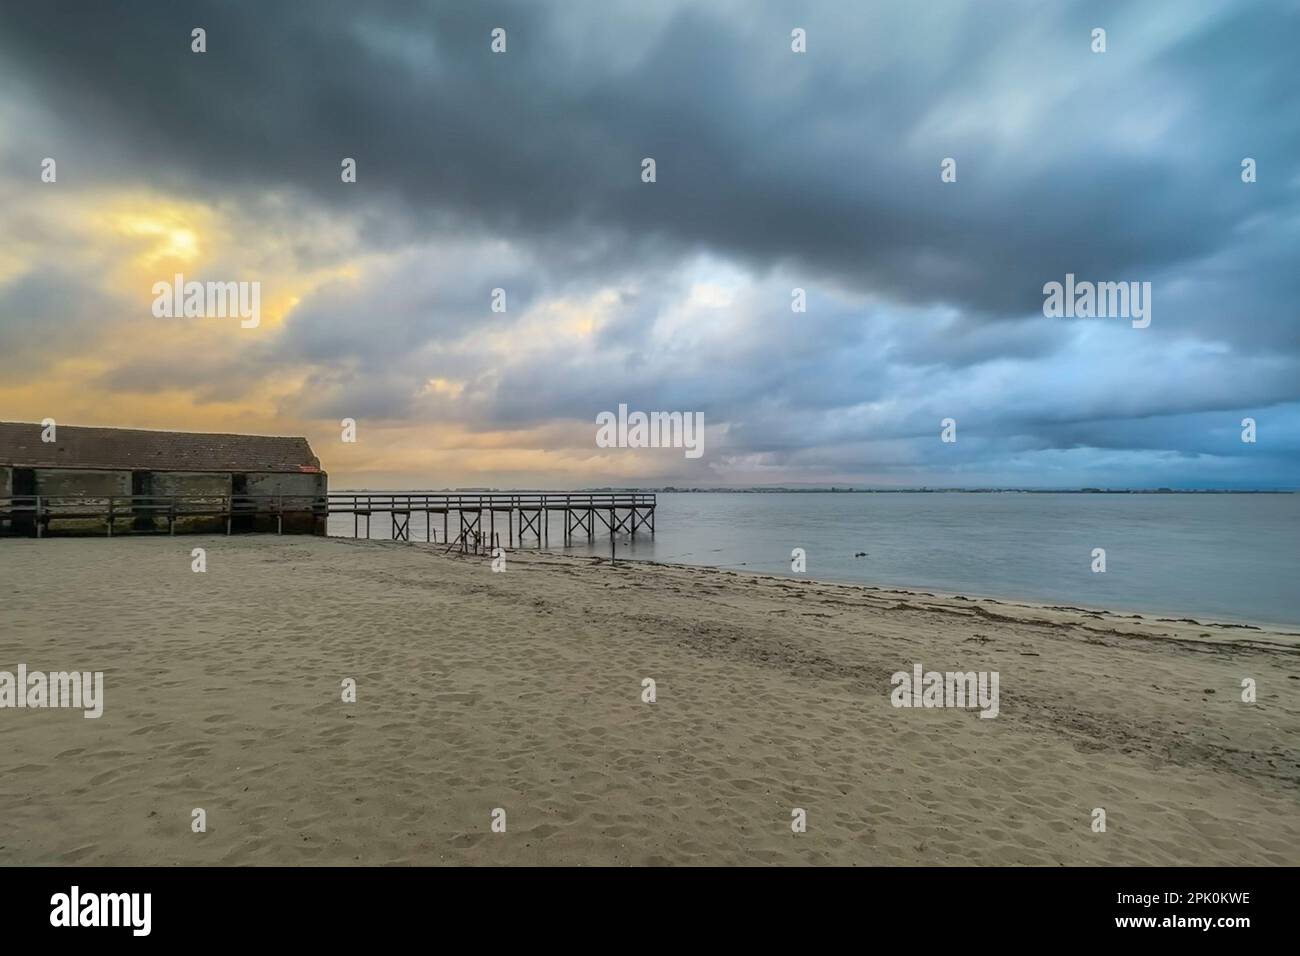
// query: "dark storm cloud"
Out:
[829,160]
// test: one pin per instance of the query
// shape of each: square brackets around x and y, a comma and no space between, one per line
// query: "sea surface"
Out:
[1232,558]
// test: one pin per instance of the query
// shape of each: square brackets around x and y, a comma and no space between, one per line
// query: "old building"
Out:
[153,480]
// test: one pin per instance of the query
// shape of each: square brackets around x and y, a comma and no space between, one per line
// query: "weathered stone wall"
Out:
[190,483]
[287,484]
[92,483]
[51,482]
[305,485]
[212,484]
[6,488]
[73,481]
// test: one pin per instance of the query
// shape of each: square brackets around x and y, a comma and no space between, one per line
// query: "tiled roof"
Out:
[137,449]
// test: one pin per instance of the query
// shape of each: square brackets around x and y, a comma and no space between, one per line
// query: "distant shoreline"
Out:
[670,489]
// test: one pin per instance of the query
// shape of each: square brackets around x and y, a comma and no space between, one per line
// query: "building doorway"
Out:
[24,493]
[141,507]
[240,504]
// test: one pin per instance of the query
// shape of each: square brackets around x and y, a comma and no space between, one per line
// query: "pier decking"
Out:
[526,515]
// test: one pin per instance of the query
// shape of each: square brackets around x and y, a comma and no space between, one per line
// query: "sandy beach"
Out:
[523,691]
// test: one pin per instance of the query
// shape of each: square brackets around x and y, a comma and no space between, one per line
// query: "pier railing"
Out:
[118,513]
[527,512]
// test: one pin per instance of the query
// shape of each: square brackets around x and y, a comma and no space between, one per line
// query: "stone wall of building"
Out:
[189,483]
[6,489]
[74,481]
[78,482]
[298,488]
[214,485]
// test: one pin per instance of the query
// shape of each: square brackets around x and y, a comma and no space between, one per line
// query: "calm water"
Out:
[1225,557]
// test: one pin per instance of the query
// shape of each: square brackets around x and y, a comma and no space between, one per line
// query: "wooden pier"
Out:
[526,515]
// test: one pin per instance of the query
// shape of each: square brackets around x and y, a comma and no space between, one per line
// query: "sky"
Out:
[775,170]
